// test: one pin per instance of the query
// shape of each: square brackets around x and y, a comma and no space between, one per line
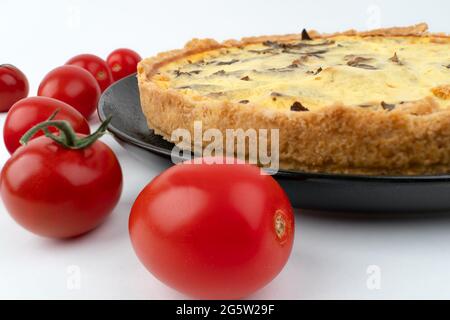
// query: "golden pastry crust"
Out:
[412,139]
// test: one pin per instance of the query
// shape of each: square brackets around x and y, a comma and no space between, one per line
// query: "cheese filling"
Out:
[306,75]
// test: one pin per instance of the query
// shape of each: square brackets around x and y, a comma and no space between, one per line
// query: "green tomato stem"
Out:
[67,137]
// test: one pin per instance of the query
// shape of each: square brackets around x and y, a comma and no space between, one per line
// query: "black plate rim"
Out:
[295,175]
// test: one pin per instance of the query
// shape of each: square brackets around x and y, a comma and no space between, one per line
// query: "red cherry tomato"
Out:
[96,66]
[28,112]
[213,231]
[58,192]
[123,62]
[74,86]
[13,86]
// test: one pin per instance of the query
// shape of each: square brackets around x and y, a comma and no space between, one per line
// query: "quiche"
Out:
[372,103]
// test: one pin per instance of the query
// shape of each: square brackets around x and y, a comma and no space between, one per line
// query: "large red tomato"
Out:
[96,66]
[30,111]
[74,86]
[213,231]
[13,86]
[61,191]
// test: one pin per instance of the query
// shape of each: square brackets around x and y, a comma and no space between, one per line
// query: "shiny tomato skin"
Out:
[13,86]
[209,230]
[96,66]
[60,193]
[123,62]
[28,112]
[74,86]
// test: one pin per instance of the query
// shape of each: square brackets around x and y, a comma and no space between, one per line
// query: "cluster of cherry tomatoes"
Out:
[208,230]
[66,183]
[79,88]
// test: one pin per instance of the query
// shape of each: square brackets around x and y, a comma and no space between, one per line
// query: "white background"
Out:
[332,252]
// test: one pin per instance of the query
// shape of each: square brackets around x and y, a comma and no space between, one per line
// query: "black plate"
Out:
[331,192]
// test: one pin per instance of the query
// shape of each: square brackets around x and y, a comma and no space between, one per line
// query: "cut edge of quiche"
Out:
[374,102]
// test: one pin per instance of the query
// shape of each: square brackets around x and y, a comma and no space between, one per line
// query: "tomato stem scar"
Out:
[280,224]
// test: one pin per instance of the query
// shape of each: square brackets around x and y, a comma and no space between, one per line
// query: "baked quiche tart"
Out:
[374,102]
